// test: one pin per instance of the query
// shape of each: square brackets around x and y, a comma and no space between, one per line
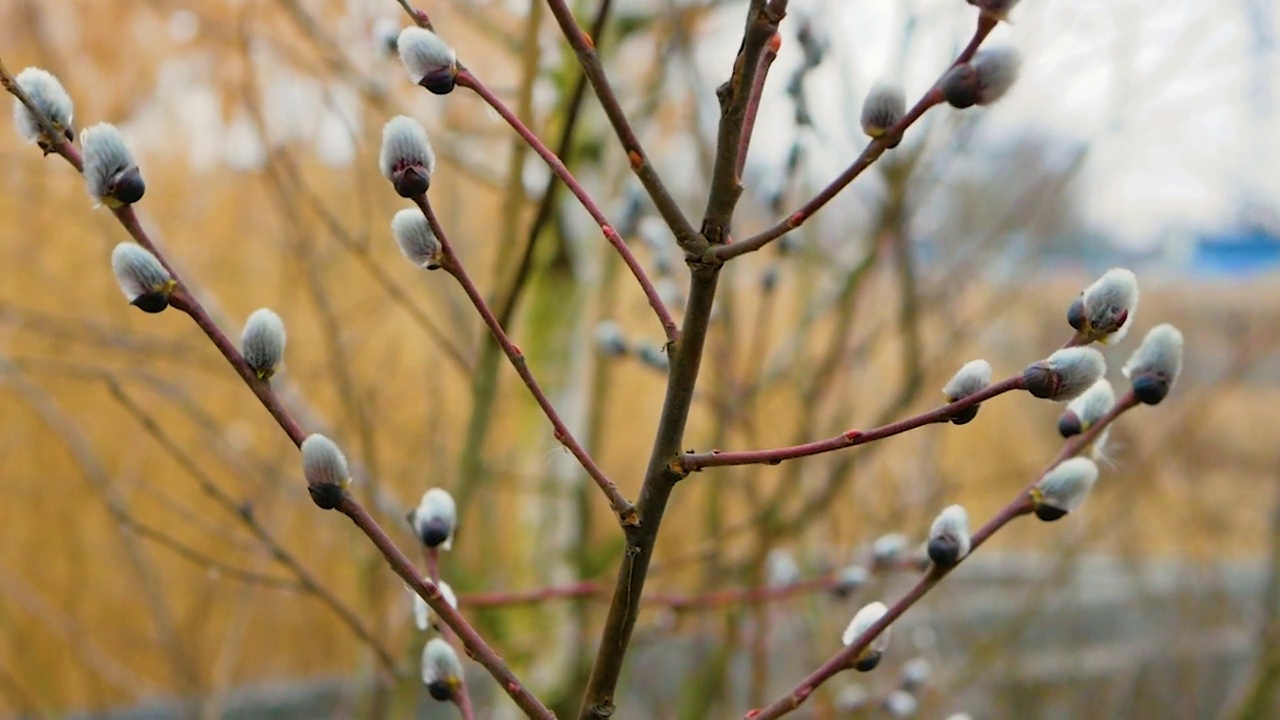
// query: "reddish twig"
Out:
[686,236]
[735,97]
[470,81]
[451,264]
[59,143]
[869,155]
[693,462]
[461,696]
[186,302]
[475,645]
[1021,505]
[753,103]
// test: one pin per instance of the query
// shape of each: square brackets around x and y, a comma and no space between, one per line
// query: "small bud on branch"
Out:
[417,242]
[1154,367]
[1065,374]
[1064,488]
[1087,409]
[262,343]
[884,107]
[869,658]
[406,158]
[974,376]
[435,519]
[430,61]
[325,469]
[49,97]
[142,278]
[1104,311]
[983,80]
[441,670]
[949,537]
[422,611]
[110,174]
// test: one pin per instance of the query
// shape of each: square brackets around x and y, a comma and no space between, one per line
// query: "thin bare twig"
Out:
[470,81]
[1021,505]
[451,264]
[692,462]
[687,237]
[869,155]
[475,645]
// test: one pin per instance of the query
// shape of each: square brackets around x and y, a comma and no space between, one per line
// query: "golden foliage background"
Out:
[98,610]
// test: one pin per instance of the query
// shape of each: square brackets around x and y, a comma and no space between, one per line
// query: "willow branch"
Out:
[475,645]
[735,98]
[869,155]
[1021,505]
[451,264]
[686,236]
[467,80]
[693,462]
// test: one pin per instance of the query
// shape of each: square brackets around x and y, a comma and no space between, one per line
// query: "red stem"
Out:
[692,462]
[184,301]
[1022,504]
[475,645]
[686,235]
[869,155]
[467,80]
[462,697]
[451,264]
[753,103]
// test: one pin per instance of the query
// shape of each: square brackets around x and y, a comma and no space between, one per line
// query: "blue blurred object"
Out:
[1246,251]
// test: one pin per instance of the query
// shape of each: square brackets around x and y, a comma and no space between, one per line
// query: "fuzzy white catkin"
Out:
[440,663]
[884,107]
[106,158]
[901,704]
[1093,403]
[423,52]
[997,70]
[781,568]
[262,342]
[1066,486]
[405,144]
[1110,304]
[323,463]
[137,271]
[1073,370]
[974,376]
[47,94]
[1160,353]
[864,619]
[436,514]
[414,237]
[422,611]
[952,524]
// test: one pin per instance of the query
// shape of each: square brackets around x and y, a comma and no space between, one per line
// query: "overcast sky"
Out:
[1165,92]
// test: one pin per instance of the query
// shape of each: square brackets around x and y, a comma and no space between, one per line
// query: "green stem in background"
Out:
[484,379]
[584,46]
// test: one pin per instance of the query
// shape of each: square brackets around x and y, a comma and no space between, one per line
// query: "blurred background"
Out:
[159,556]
